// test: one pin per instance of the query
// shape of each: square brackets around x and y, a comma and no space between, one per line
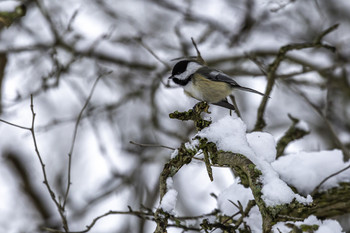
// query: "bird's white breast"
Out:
[192,91]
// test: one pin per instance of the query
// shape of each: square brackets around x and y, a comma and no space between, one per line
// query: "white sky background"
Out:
[102,147]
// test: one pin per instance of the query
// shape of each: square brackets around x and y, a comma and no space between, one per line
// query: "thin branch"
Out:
[325,32]
[71,21]
[272,69]
[46,15]
[245,213]
[93,111]
[75,132]
[333,134]
[213,213]
[240,211]
[3,63]
[15,125]
[99,55]
[191,16]
[148,215]
[140,41]
[335,137]
[327,178]
[139,214]
[199,56]
[258,63]
[150,145]
[46,182]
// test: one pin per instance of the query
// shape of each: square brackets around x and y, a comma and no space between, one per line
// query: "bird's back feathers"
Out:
[218,76]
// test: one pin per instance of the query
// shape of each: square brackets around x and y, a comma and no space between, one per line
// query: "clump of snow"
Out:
[174,154]
[302,125]
[235,192]
[229,134]
[169,200]
[9,6]
[308,200]
[276,191]
[169,183]
[263,145]
[326,226]
[305,170]
[254,220]
[191,222]
[191,145]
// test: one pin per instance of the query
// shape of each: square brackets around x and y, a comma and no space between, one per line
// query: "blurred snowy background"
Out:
[58,50]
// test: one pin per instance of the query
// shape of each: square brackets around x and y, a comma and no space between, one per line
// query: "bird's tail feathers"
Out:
[251,90]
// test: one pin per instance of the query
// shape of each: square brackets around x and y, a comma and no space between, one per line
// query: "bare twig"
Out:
[48,18]
[71,21]
[99,55]
[324,33]
[213,213]
[233,100]
[246,25]
[148,215]
[327,178]
[3,63]
[333,134]
[258,63]
[272,69]
[75,132]
[199,56]
[46,182]
[151,145]
[245,213]
[15,125]
[140,41]
[139,214]
[93,111]
[191,16]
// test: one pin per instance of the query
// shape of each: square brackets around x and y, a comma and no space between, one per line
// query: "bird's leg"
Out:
[235,104]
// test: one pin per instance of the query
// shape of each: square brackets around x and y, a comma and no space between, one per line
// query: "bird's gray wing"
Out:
[218,76]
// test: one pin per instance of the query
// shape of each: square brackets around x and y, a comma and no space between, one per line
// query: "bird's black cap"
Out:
[180,67]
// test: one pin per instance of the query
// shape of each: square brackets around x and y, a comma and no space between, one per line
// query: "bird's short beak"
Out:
[171,77]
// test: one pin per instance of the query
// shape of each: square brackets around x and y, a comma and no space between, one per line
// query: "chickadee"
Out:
[206,84]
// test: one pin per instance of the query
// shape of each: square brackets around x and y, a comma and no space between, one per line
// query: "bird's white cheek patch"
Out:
[192,67]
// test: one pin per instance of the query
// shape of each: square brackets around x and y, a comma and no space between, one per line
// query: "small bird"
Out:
[206,84]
